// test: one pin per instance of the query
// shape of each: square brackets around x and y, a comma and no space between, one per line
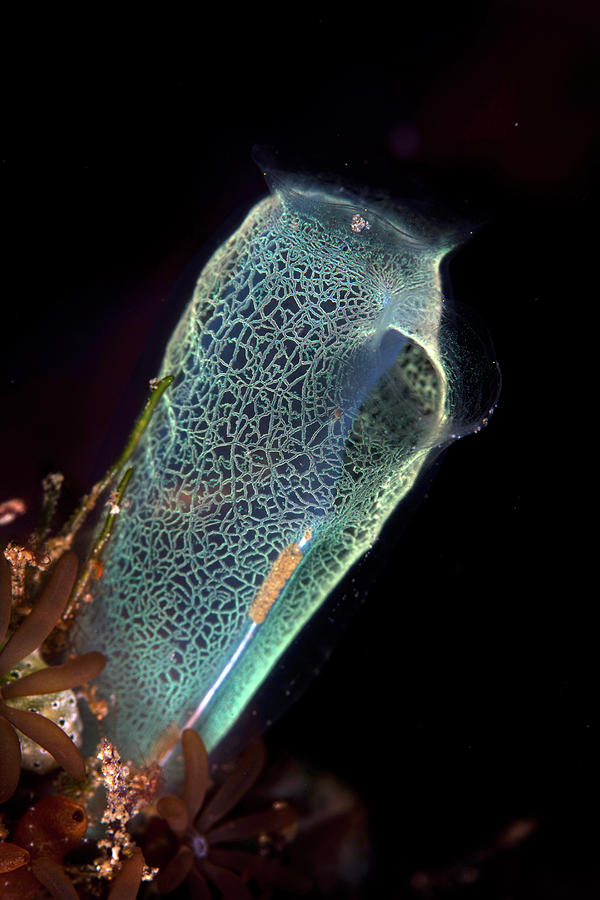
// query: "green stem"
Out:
[89,500]
[51,485]
[157,390]
[94,561]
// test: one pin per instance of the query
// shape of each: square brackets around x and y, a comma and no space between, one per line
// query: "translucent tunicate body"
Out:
[316,373]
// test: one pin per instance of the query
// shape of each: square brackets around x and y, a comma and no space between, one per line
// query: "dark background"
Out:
[463,695]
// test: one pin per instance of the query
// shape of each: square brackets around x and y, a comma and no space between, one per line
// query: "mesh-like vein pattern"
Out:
[308,394]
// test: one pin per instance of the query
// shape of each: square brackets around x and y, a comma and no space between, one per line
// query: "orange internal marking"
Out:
[274,583]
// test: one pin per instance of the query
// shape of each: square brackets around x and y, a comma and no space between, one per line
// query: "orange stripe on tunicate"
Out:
[272,586]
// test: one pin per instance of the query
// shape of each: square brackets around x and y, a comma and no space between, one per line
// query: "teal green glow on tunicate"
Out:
[317,371]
